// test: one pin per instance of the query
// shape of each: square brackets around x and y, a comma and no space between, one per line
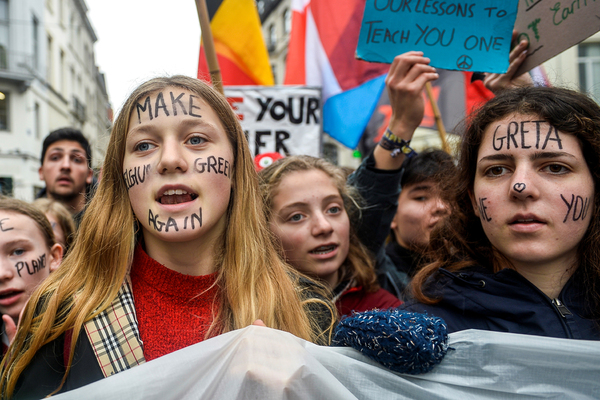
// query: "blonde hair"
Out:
[358,265]
[254,282]
[62,215]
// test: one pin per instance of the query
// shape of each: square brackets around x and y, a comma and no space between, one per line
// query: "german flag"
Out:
[239,44]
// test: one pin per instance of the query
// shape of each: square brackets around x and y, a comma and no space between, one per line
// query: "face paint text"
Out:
[36,265]
[515,136]
[158,225]
[160,104]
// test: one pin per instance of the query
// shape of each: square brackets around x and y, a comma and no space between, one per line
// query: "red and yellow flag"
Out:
[239,44]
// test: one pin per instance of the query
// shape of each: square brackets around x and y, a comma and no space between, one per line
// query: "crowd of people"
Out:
[160,254]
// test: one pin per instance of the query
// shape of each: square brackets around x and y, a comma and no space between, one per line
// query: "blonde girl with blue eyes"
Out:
[173,249]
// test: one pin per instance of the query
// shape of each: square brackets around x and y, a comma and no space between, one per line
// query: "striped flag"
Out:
[321,53]
[239,44]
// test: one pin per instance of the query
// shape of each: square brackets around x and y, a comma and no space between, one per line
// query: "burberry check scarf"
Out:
[114,334]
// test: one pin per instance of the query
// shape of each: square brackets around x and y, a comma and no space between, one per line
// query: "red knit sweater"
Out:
[173,310]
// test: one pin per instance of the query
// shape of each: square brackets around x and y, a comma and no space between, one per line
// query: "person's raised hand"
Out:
[499,82]
[405,82]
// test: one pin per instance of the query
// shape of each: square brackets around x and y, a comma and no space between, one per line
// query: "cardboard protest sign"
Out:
[279,119]
[552,26]
[466,36]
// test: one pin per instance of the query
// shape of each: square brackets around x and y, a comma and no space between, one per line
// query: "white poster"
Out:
[279,119]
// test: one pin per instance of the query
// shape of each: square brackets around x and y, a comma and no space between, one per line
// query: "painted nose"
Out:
[522,187]
[172,159]
[321,225]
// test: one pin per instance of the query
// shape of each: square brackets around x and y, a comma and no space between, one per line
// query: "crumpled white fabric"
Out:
[263,363]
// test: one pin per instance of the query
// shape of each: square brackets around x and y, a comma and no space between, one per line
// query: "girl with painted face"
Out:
[314,211]
[519,251]
[28,253]
[173,249]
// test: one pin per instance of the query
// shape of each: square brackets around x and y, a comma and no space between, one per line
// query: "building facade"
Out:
[48,80]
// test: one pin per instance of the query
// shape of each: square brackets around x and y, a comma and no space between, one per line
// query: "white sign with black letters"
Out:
[279,119]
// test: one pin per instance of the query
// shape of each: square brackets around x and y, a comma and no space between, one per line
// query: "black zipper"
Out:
[562,309]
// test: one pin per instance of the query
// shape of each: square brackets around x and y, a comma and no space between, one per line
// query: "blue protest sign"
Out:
[467,36]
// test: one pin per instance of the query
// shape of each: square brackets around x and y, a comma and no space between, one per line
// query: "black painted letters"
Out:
[4,228]
[36,265]
[483,210]
[579,205]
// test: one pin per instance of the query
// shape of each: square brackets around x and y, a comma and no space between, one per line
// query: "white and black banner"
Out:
[279,119]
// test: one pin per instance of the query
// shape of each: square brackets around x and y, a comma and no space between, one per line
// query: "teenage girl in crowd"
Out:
[28,253]
[61,220]
[315,214]
[520,250]
[173,249]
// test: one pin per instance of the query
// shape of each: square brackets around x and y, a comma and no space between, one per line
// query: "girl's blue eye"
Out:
[335,210]
[296,217]
[196,140]
[143,146]
[18,252]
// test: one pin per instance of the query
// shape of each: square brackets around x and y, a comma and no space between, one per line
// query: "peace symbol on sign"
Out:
[464,62]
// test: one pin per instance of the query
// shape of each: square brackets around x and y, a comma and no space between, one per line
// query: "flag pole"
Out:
[438,117]
[209,46]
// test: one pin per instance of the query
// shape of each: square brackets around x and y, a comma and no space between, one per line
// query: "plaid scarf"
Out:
[114,334]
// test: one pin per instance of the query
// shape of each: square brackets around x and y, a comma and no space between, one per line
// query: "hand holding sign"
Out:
[468,36]
[405,82]
[498,82]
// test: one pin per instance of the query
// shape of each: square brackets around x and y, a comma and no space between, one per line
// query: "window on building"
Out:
[72,81]
[4,34]
[4,111]
[261,6]
[61,12]
[37,120]
[272,37]
[6,186]
[62,72]
[4,10]
[589,69]
[35,49]
[50,61]
[287,21]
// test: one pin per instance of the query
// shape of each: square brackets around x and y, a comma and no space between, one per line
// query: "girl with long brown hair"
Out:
[173,249]
[520,250]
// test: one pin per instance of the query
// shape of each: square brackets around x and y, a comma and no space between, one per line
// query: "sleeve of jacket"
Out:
[379,190]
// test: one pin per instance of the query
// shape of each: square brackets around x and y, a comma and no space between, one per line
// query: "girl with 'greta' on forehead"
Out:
[520,250]
[173,249]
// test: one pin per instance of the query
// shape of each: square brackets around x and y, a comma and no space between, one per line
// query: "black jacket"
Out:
[44,373]
[477,298]
[380,190]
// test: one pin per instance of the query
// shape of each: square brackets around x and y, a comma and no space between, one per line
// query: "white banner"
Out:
[279,119]
[263,363]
